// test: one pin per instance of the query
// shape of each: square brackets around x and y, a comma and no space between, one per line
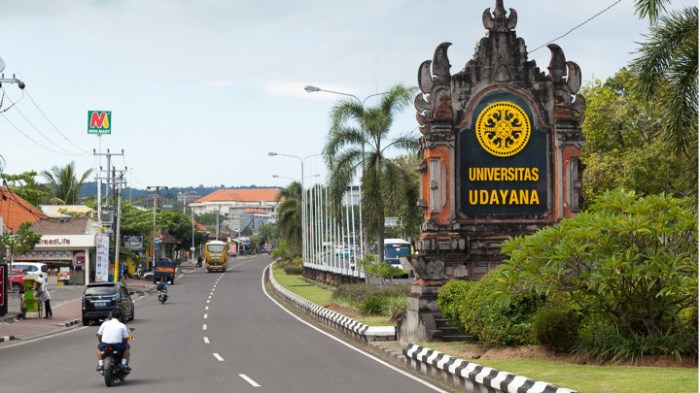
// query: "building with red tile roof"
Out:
[14,210]
[231,203]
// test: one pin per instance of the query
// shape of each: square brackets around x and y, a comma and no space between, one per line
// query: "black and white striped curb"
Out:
[350,326]
[70,323]
[6,338]
[471,376]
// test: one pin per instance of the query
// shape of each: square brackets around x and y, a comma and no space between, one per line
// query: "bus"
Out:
[394,249]
[215,255]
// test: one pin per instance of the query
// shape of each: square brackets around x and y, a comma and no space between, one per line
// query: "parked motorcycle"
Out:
[162,296]
[113,370]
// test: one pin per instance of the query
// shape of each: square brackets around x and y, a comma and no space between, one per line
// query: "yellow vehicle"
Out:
[215,257]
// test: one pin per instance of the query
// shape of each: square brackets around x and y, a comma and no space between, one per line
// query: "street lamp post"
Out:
[315,89]
[303,200]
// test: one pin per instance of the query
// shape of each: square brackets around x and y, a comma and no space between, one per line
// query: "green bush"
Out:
[604,342]
[293,269]
[498,320]
[556,328]
[372,305]
[357,293]
[388,300]
[449,298]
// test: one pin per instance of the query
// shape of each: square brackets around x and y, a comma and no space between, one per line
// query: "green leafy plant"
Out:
[451,296]
[556,327]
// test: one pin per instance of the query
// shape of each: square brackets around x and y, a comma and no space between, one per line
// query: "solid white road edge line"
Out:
[376,359]
[249,380]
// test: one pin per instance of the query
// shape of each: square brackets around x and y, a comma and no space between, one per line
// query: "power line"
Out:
[577,26]
[32,140]
[53,125]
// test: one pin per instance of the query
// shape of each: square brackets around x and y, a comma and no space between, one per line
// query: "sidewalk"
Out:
[66,304]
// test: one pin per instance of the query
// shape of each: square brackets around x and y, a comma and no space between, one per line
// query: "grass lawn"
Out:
[583,378]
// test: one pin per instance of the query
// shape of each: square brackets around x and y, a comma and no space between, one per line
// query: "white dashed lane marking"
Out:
[249,380]
[206,340]
[218,357]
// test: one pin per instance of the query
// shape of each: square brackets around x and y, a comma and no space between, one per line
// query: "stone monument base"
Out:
[418,321]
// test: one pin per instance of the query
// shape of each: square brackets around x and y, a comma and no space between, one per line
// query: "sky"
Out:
[200,91]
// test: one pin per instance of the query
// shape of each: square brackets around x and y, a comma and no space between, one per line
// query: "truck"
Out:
[164,270]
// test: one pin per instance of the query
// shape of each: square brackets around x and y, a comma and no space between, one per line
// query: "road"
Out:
[218,332]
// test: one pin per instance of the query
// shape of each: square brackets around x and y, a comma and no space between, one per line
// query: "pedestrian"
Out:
[45,297]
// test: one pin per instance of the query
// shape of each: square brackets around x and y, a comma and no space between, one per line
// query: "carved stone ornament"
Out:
[500,61]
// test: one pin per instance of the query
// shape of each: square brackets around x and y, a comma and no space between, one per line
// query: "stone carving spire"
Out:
[498,22]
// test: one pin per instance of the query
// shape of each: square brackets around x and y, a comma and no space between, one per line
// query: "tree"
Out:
[628,264]
[64,184]
[667,68]
[358,141]
[18,243]
[176,224]
[25,185]
[407,209]
[289,217]
[623,148]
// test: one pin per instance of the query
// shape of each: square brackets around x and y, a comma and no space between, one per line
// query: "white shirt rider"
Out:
[113,331]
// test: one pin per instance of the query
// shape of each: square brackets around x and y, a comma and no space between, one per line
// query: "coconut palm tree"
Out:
[64,184]
[667,67]
[289,216]
[359,142]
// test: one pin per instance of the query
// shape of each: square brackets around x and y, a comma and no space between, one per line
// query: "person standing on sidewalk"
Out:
[45,297]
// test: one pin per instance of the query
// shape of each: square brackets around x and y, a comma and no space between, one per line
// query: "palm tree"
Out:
[63,183]
[358,141]
[289,216]
[667,67]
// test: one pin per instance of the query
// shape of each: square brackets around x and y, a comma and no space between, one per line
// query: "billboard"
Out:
[99,122]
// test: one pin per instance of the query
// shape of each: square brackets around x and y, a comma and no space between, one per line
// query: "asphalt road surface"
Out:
[218,332]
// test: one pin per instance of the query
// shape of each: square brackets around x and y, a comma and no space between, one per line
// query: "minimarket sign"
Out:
[99,122]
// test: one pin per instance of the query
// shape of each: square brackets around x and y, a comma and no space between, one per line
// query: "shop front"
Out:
[67,257]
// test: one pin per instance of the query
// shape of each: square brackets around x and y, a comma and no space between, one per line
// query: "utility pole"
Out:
[100,178]
[117,240]
[155,205]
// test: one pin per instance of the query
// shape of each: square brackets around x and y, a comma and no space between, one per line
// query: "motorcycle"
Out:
[162,296]
[113,371]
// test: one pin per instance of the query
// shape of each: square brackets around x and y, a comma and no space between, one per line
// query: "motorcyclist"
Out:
[199,261]
[113,333]
[163,286]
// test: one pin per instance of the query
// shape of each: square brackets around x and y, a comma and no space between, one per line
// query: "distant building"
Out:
[67,210]
[255,218]
[232,203]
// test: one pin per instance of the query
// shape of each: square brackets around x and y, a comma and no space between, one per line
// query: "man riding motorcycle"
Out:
[114,334]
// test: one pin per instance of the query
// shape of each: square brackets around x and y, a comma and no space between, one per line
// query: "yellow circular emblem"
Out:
[503,129]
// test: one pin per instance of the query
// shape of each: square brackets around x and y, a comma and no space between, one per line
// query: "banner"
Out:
[102,258]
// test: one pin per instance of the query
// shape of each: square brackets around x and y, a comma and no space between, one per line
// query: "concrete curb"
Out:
[71,323]
[350,326]
[472,376]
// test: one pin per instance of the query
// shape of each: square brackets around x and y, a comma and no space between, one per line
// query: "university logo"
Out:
[503,129]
